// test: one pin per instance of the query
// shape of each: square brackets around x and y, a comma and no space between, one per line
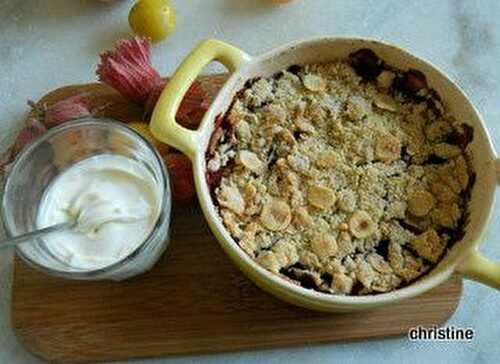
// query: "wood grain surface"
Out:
[192,301]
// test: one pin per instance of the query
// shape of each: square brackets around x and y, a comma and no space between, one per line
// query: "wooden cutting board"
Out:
[192,301]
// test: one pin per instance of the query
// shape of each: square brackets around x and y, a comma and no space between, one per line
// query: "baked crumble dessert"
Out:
[348,177]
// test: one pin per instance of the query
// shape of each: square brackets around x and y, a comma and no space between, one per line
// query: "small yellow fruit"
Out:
[154,19]
[143,128]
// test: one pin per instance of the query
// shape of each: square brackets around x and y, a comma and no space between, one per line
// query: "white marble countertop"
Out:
[45,44]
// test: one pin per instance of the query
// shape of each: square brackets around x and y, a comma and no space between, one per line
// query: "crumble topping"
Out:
[348,177]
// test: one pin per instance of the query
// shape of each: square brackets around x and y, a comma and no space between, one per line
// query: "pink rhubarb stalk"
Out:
[74,107]
[128,69]
[31,131]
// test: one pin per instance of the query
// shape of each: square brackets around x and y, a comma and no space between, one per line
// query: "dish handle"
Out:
[163,125]
[479,268]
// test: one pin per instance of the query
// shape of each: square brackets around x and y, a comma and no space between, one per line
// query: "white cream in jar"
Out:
[115,202]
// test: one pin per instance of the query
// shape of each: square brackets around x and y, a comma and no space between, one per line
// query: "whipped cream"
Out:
[114,203]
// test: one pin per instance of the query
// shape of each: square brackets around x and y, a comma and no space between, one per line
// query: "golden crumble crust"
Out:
[341,182]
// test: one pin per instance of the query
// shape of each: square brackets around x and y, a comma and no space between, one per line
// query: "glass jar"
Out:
[58,149]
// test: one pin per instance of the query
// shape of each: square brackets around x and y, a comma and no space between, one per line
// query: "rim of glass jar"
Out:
[165,207]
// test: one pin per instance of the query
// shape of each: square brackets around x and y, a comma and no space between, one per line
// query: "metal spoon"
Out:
[24,238]
[88,221]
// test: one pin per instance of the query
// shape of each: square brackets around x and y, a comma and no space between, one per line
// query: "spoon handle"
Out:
[24,238]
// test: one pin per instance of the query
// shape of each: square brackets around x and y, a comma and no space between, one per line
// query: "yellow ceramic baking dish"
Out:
[463,257]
